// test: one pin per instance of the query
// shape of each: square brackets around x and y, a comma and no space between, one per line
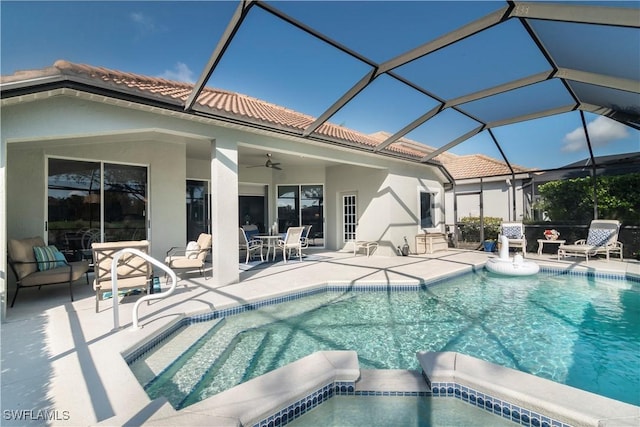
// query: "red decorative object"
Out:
[551,234]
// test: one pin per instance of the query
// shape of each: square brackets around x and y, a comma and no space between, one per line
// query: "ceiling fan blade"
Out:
[276,167]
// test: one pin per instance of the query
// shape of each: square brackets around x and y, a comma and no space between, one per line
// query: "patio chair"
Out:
[602,239]
[35,264]
[304,239]
[251,246]
[250,230]
[514,231]
[133,271]
[192,256]
[292,240]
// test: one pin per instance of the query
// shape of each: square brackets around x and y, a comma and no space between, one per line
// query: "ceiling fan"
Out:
[269,164]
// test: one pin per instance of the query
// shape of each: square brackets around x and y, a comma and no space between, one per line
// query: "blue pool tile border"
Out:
[498,407]
[494,405]
[284,416]
[554,271]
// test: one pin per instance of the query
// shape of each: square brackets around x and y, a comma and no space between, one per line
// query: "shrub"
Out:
[470,228]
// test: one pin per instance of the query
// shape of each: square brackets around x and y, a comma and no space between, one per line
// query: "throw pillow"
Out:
[46,257]
[62,261]
[598,236]
[192,250]
[513,232]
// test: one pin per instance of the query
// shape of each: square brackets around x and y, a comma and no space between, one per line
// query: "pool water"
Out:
[346,411]
[577,330]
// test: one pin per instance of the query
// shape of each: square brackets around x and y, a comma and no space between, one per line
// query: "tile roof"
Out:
[477,165]
[234,105]
[216,101]
[460,167]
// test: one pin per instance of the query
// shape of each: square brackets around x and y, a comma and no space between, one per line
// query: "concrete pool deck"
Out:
[62,363]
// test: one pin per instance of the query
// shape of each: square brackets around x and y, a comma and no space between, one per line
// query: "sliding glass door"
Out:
[302,205]
[93,201]
[197,209]
[125,202]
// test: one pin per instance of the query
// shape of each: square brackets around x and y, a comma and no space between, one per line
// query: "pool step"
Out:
[184,375]
[180,376]
[170,350]
[233,365]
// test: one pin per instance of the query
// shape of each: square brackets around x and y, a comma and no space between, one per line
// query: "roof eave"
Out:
[89,85]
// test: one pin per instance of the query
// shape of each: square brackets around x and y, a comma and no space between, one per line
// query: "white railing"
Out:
[114,290]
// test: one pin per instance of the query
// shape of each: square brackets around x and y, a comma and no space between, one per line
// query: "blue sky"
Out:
[278,63]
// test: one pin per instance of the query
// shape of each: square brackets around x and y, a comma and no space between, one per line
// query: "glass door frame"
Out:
[206,183]
[299,207]
[100,235]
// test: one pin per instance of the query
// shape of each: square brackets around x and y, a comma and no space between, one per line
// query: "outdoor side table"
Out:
[541,243]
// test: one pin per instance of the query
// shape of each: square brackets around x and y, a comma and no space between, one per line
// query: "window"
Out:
[427,209]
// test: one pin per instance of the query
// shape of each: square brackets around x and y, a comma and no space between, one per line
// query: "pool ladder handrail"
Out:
[114,285]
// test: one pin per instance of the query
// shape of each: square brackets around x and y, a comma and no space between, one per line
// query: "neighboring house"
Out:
[89,153]
[498,194]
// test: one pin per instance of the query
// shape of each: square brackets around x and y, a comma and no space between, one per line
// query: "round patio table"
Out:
[271,242]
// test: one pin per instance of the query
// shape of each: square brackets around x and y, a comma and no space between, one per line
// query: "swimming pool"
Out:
[574,329]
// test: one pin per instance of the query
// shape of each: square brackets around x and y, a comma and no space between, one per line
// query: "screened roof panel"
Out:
[443,128]
[285,65]
[483,64]
[389,66]
[573,45]
[619,100]
[552,146]
[609,137]
[386,104]
[481,143]
[537,98]
[479,62]
[382,30]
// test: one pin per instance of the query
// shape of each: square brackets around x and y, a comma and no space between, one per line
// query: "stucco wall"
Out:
[61,127]
[26,189]
[387,204]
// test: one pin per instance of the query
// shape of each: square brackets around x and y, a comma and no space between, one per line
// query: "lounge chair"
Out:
[191,257]
[514,231]
[602,239]
[44,265]
[369,246]
[292,240]
[250,246]
[133,271]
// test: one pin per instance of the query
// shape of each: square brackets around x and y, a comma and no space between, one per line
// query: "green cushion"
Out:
[47,257]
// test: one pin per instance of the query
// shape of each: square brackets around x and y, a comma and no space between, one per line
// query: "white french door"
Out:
[349,217]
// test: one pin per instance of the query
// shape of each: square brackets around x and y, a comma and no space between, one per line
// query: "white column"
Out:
[224,211]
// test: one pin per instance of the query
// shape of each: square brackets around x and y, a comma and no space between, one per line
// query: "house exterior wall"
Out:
[101,129]
[387,204]
[26,184]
